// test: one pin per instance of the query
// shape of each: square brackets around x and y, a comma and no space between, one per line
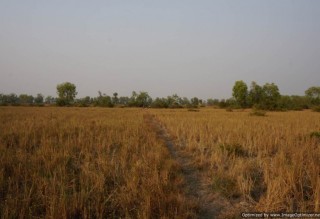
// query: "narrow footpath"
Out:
[195,186]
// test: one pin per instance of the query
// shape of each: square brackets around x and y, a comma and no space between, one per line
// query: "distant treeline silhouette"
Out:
[265,97]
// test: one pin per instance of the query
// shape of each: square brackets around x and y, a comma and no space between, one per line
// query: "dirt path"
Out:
[196,186]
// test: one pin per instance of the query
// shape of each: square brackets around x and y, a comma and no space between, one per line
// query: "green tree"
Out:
[240,93]
[195,102]
[84,102]
[143,99]
[212,102]
[160,103]
[49,100]
[313,93]
[26,99]
[66,92]
[124,100]
[132,99]
[255,95]
[271,96]
[103,100]
[39,99]
[115,98]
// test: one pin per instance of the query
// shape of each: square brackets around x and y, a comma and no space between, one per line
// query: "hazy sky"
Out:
[192,48]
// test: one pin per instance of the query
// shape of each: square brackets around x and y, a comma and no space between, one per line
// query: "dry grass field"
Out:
[85,163]
[109,163]
[266,163]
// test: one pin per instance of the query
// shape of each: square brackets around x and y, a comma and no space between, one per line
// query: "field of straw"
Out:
[267,163]
[110,163]
[85,163]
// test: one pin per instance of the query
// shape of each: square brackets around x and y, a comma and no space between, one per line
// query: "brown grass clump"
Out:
[270,164]
[85,163]
[256,112]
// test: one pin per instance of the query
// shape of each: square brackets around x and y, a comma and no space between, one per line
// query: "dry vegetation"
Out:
[109,163]
[85,163]
[269,163]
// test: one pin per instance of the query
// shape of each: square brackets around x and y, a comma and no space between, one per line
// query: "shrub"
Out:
[316,109]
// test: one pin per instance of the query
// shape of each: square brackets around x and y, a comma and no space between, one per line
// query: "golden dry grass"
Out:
[109,163]
[271,163]
[85,163]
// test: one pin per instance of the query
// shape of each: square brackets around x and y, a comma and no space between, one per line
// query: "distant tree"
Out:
[212,102]
[49,100]
[240,93]
[39,99]
[84,102]
[195,102]
[143,99]
[132,100]
[222,103]
[175,101]
[115,98]
[3,100]
[300,102]
[313,93]
[66,92]
[159,103]
[26,99]
[103,100]
[255,94]
[271,96]
[185,102]
[124,101]
[13,99]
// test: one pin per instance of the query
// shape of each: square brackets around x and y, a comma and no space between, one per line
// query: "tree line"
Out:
[266,97]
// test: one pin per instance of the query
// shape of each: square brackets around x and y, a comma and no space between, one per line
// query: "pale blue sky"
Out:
[192,48]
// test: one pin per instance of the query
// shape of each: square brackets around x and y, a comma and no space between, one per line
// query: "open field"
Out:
[112,163]
[89,163]
[269,163]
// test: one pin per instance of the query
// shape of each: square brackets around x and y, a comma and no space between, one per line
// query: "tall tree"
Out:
[115,98]
[240,93]
[255,94]
[26,99]
[39,99]
[143,99]
[313,93]
[66,92]
[194,102]
[271,96]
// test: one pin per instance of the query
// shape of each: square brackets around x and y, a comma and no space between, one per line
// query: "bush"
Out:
[316,109]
